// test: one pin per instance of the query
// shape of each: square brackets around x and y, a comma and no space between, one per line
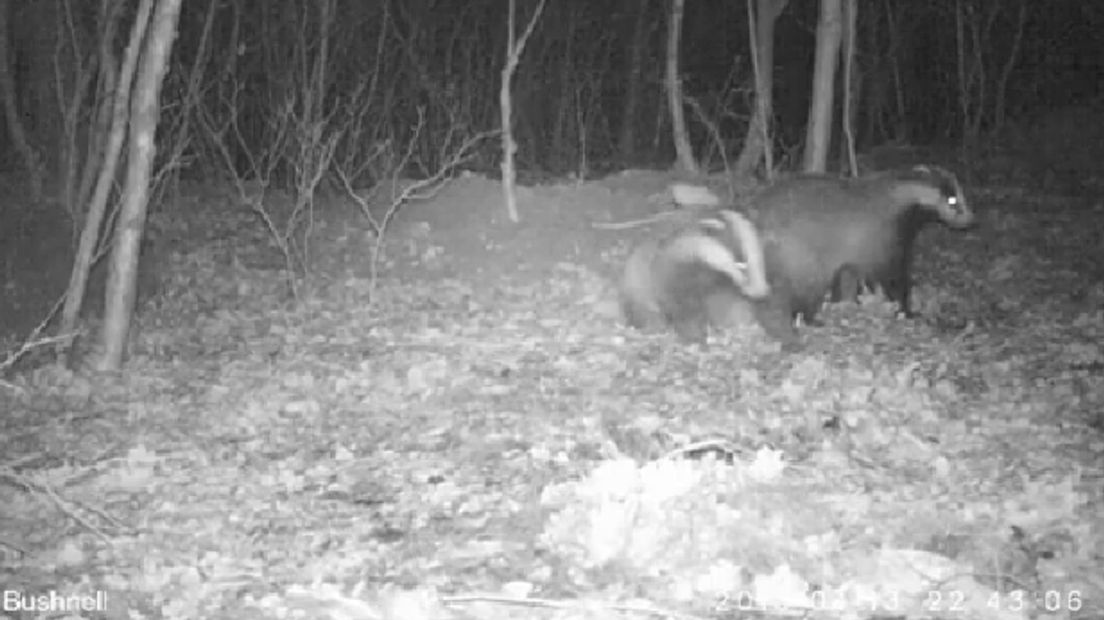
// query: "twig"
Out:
[66,506]
[659,217]
[719,445]
[419,190]
[710,126]
[34,342]
[14,547]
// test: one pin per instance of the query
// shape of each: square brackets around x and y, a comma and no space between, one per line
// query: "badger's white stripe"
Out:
[755,276]
[912,192]
[749,275]
[710,252]
[953,210]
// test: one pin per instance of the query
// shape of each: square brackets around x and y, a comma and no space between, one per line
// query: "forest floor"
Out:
[474,433]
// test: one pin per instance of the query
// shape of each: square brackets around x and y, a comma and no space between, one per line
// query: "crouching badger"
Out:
[669,281]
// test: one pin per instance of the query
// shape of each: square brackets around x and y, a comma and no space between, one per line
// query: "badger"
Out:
[668,282]
[820,233]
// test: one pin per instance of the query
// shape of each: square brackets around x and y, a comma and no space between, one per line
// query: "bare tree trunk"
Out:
[84,88]
[973,29]
[39,34]
[1000,110]
[850,85]
[963,73]
[514,48]
[818,132]
[121,79]
[684,152]
[758,130]
[14,120]
[561,137]
[874,79]
[145,109]
[634,83]
[896,34]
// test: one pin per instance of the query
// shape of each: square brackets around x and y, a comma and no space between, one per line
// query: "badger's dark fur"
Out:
[816,229]
[667,282]
[894,274]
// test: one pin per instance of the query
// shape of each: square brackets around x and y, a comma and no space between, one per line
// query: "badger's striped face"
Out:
[729,243]
[938,191]
[953,209]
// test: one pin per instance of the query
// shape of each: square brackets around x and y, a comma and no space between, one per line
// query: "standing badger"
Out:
[667,282]
[820,231]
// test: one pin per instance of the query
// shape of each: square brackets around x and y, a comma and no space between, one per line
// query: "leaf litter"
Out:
[486,441]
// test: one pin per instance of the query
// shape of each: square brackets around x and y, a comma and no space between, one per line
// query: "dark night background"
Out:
[353,387]
[444,57]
